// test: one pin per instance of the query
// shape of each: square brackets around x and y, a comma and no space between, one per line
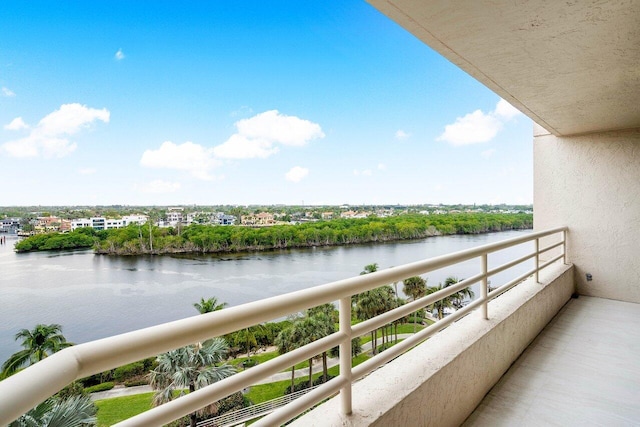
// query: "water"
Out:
[94,296]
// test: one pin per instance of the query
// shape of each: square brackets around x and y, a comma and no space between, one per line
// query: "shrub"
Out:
[99,387]
[127,371]
[134,383]
[73,389]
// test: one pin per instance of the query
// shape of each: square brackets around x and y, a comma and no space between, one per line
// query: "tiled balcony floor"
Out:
[583,369]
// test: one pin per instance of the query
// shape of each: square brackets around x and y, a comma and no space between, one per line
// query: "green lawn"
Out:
[111,411]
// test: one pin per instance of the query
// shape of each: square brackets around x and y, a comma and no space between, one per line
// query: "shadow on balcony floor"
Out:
[583,369]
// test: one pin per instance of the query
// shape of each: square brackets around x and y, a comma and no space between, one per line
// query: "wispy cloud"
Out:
[194,158]
[402,135]
[16,124]
[260,135]
[50,137]
[382,166]
[8,92]
[296,174]
[119,55]
[87,171]
[477,127]
[158,186]
[363,172]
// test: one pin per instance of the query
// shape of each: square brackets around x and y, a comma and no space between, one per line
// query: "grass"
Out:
[404,328]
[263,392]
[111,411]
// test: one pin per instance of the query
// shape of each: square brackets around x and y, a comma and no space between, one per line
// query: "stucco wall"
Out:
[591,184]
[440,382]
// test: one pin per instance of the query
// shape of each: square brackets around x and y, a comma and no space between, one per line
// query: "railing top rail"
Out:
[25,389]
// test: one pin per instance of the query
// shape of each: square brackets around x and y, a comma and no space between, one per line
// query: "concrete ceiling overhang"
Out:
[573,66]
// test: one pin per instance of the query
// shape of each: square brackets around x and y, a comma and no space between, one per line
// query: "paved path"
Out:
[280,376]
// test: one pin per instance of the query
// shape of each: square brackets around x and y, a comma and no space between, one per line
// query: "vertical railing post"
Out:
[485,286]
[537,275]
[564,246]
[345,354]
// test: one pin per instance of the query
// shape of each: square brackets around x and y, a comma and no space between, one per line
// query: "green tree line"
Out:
[133,240]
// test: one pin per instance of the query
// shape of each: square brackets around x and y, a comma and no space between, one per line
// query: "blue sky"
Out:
[321,102]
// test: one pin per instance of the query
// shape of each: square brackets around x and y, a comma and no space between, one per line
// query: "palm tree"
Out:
[373,303]
[458,298]
[191,367]
[209,305]
[454,301]
[370,268]
[325,316]
[75,411]
[38,343]
[285,344]
[415,287]
[441,305]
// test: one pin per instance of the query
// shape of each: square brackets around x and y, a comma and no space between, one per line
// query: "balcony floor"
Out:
[583,369]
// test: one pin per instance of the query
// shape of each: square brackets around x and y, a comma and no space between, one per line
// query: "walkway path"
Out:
[119,391]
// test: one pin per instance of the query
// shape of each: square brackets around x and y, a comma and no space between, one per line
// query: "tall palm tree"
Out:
[75,411]
[415,287]
[209,305]
[326,317]
[38,343]
[285,344]
[373,303]
[439,306]
[191,367]
[459,297]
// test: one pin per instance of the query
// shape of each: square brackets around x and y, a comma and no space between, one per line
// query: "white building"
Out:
[175,215]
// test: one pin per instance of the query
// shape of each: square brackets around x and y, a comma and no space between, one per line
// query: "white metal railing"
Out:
[24,390]
[253,411]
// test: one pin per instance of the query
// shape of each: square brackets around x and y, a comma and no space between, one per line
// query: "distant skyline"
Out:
[210,103]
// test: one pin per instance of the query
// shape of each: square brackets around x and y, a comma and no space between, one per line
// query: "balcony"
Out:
[454,368]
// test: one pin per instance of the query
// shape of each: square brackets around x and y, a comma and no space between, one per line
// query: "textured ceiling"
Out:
[572,66]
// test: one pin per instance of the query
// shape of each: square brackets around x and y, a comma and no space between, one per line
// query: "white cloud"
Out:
[401,135]
[488,153]
[87,171]
[194,158]
[16,124]
[471,129]
[506,110]
[49,137]
[257,136]
[478,127]
[240,147]
[364,172]
[382,166]
[158,186]
[119,56]
[296,174]
[8,92]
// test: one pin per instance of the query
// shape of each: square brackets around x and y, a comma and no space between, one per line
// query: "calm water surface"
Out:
[94,296]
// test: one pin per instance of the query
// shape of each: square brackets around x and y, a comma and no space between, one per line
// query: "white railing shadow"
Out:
[24,390]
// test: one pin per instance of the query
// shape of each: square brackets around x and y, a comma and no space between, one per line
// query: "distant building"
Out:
[102,223]
[260,219]
[175,215]
[9,225]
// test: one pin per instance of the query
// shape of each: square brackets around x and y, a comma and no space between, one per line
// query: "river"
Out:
[94,296]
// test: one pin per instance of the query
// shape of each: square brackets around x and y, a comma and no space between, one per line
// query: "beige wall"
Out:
[440,382]
[591,184]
